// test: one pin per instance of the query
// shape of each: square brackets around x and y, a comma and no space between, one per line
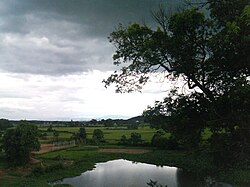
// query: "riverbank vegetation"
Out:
[58,164]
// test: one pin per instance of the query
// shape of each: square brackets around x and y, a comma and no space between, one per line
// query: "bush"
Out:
[124,140]
[18,143]
[160,141]
[227,151]
[50,129]
[40,170]
[135,138]
[133,126]
[98,136]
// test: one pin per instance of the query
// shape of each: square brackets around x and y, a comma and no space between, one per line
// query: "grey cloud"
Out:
[100,15]
[42,56]
[75,31]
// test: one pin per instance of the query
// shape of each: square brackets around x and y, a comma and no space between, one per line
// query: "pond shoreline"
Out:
[74,161]
[122,172]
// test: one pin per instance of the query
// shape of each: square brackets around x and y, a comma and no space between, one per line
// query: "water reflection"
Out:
[124,173]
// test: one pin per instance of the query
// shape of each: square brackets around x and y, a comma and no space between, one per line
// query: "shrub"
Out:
[160,141]
[135,138]
[98,136]
[124,140]
[40,170]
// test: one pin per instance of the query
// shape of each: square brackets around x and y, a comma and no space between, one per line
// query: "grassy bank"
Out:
[72,162]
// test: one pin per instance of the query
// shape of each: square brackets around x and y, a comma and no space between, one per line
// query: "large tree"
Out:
[19,142]
[210,54]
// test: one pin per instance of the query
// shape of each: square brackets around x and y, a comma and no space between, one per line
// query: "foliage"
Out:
[98,136]
[55,135]
[135,138]
[107,122]
[124,140]
[18,143]
[40,170]
[187,120]
[84,159]
[133,126]
[93,122]
[112,135]
[81,136]
[4,124]
[50,129]
[163,142]
[210,55]
[82,133]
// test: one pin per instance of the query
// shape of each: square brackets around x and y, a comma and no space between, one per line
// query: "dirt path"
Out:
[2,173]
[45,148]
[129,151]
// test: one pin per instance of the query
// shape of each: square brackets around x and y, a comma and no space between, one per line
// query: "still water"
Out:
[124,173]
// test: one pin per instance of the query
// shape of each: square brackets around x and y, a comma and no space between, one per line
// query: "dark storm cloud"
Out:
[63,36]
[100,15]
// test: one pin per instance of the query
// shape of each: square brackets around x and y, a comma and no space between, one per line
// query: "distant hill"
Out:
[133,120]
[137,119]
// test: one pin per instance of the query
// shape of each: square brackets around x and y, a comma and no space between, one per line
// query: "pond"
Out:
[124,173]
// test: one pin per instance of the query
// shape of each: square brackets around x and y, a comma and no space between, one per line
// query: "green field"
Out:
[111,135]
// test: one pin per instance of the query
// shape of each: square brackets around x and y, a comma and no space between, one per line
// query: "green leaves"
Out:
[18,143]
[210,54]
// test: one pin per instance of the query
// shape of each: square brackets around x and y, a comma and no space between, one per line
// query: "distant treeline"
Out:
[92,122]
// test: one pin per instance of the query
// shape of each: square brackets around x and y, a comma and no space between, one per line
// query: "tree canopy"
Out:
[210,54]
[19,142]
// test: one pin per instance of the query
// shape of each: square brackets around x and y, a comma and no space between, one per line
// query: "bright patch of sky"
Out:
[55,54]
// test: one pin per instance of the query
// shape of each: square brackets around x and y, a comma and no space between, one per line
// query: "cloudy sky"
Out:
[54,55]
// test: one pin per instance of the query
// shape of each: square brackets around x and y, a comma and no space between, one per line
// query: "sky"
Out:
[54,55]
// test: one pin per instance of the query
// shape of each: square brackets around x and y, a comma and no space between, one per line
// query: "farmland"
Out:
[112,135]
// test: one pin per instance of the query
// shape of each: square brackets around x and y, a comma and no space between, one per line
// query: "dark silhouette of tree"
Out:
[83,135]
[211,55]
